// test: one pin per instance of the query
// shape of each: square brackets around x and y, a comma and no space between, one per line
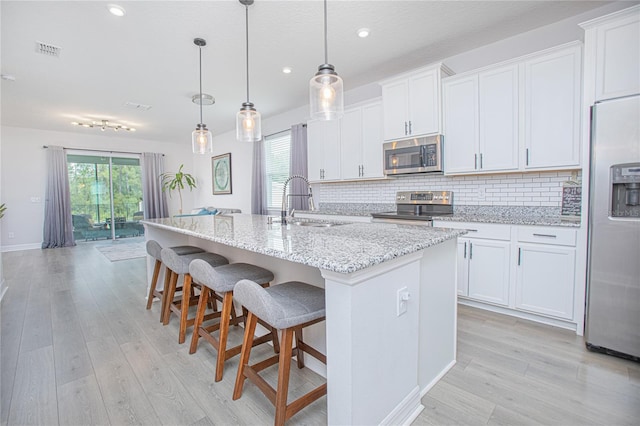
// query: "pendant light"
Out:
[201,138]
[248,125]
[325,88]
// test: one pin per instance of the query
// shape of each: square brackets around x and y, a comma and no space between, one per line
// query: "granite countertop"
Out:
[508,215]
[344,248]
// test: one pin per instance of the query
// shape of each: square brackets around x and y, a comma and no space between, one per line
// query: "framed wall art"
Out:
[221,174]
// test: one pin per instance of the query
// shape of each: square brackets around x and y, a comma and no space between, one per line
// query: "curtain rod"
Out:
[285,130]
[100,150]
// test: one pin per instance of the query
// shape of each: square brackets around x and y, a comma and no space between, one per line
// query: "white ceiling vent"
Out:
[134,105]
[48,49]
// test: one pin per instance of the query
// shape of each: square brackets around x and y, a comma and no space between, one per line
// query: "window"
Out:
[277,151]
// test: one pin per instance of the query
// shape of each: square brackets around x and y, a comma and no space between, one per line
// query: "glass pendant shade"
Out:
[201,140]
[326,94]
[248,124]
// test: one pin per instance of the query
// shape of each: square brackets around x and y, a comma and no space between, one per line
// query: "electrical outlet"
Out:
[481,193]
[11,235]
[35,199]
[402,298]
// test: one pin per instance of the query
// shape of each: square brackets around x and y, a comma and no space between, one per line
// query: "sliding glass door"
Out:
[106,196]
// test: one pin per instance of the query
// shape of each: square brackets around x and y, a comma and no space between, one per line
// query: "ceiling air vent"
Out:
[48,49]
[134,105]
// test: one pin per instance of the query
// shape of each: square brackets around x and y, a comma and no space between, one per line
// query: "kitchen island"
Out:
[383,353]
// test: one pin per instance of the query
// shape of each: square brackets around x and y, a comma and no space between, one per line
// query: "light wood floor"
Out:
[79,348]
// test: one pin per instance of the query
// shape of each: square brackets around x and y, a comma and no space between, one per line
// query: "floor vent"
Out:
[48,49]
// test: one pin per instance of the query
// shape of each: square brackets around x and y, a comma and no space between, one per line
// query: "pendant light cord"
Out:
[246,8]
[200,51]
[326,51]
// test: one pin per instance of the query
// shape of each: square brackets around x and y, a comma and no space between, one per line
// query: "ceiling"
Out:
[148,56]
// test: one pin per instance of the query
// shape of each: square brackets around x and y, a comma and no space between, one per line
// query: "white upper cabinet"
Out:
[411,103]
[498,99]
[372,156]
[552,109]
[349,148]
[613,44]
[460,106]
[518,115]
[323,146]
[481,121]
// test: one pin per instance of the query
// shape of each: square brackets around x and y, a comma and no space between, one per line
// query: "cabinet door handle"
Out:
[465,250]
[527,156]
[519,255]
[470,251]
[362,170]
[475,161]
[545,235]
[472,230]
[410,127]
[480,160]
[405,128]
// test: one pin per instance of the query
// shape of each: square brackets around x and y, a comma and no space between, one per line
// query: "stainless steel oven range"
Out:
[418,208]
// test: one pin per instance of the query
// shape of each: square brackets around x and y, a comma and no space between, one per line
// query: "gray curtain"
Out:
[259,189]
[58,226]
[153,199]
[298,166]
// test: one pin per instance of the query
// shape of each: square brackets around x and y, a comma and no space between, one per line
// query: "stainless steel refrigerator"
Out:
[613,286]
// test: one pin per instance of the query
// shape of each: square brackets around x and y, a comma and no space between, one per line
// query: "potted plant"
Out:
[178,180]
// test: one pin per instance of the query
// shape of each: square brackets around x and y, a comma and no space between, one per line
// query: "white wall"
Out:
[24,174]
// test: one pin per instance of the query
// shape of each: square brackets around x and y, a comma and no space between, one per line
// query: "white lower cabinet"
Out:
[545,274]
[489,271]
[522,270]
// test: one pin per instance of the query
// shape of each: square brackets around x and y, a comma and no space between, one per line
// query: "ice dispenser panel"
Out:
[625,190]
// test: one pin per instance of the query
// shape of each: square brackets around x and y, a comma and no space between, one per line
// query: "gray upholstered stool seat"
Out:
[179,265]
[290,306]
[219,282]
[154,249]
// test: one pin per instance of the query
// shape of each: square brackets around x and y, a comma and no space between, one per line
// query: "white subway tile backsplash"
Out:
[517,189]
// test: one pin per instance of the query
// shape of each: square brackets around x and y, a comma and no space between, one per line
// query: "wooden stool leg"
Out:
[184,310]
[202,306]
[165,291]
[227,306]
[247,343]
[283,376]
[170,294]
[154,282]
[299,352]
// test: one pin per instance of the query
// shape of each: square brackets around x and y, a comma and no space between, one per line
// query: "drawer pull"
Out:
[472,230]
[545,235]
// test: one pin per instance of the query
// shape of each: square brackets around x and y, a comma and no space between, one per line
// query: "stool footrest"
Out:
[305,400]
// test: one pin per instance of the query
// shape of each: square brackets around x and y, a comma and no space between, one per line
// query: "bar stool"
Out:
[289,307]
[154,249]
[179,265]
[221,280]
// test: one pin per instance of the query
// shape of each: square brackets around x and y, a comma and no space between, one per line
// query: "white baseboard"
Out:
[20,247]
[407,411]
[436,379]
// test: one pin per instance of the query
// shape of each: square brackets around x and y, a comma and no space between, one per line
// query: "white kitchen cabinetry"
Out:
[323,147]
[483,262]
[411,103]
[524,271]
[361,142]
[552,109]
[546,271]
[481,121]
[522,114]
[616,38]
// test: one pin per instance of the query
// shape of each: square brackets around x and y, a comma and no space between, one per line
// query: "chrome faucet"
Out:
[285,209]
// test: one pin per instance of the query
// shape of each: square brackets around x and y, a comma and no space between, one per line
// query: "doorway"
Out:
[106,196]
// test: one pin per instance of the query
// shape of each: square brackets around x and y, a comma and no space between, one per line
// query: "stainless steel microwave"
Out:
[415,155]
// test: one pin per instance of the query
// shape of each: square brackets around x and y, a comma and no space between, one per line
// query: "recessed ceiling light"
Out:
[116,10]
[363,32]
[287,70]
